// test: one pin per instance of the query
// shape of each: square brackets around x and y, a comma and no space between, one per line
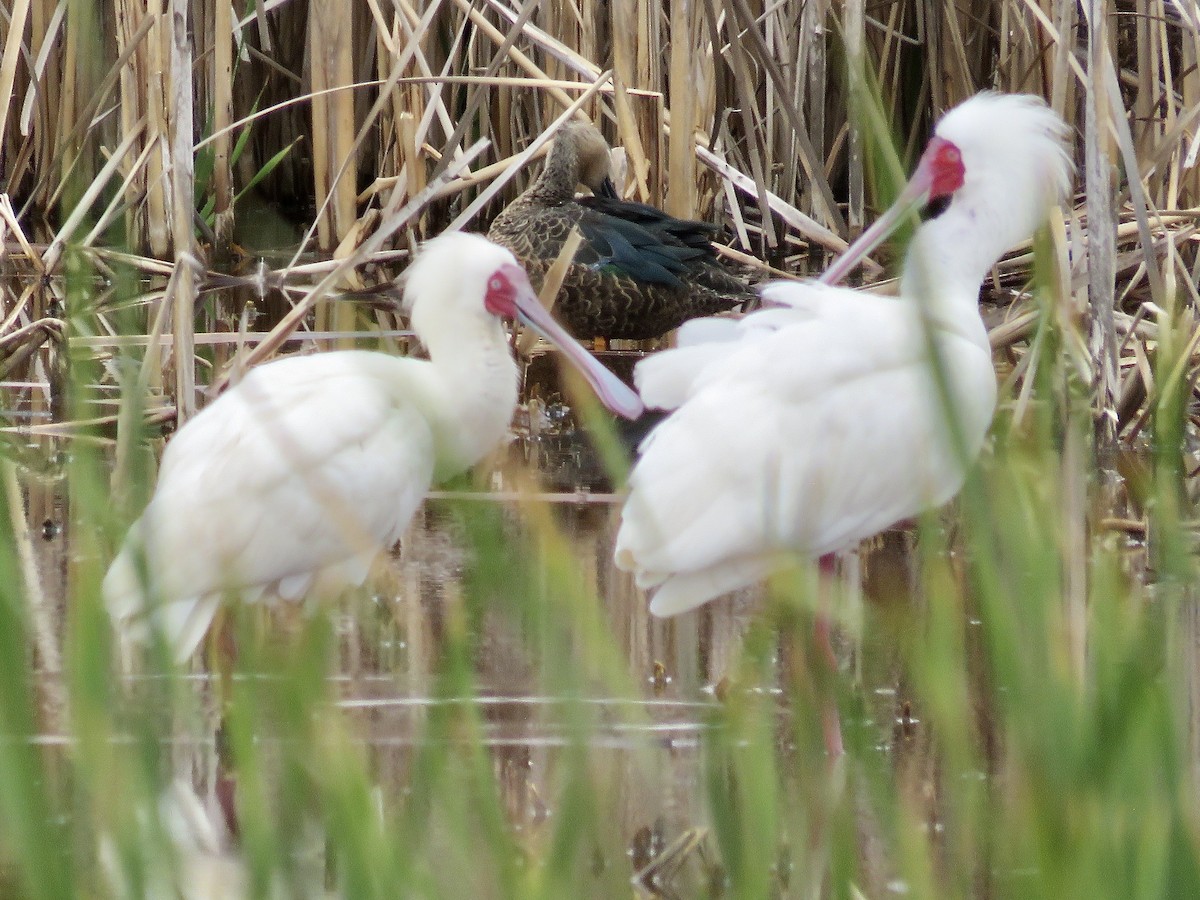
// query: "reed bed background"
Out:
[183,187]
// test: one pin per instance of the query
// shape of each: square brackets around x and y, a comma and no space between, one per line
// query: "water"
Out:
[646,713]
[391,636]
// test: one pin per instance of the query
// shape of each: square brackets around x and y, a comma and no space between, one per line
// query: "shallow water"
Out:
[647,718]
[391,635]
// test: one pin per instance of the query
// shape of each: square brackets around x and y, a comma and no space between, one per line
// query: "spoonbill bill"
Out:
[638,273]
[300,475]
[805,428]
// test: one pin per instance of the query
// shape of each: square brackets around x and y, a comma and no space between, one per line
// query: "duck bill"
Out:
[915,195]
[613,393]
[607,189]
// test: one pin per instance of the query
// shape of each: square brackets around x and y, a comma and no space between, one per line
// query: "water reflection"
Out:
[525,727]
[647,744]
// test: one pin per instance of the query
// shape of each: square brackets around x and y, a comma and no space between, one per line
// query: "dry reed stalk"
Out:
[804,224]
[44,92]
[330,34]
[53,254]
[82,430]
[516,56]
[409,52]
[806,40]
[222,114]
[392,220]
[1138,198]
[331,31]
[558,19]
[318,134]
[797,32]
[417,31]
[1018,328]
[150,373]
[1101,221]
[624,54]
[50,184]
[826,208]
[9,217]
[147,95]
[20,311]
[117,204]
[753,263]
[17,19]
[494,60]
[684,85]
[412,168]
[220,338]
[854,36]
[1189,89]
[571,59]
[183,180]
[651,115]
[398,149]
[514,81]
[260,115]
[746,85]
[467,181]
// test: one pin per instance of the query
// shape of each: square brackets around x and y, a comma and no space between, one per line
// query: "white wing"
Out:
[666,380]
[306,469]
[805,439]
[810,296]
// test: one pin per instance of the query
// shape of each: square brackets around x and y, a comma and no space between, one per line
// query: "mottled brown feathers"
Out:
[638,273]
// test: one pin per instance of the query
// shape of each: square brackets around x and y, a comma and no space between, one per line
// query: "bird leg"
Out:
[221,653]
[810,664]
[831,724]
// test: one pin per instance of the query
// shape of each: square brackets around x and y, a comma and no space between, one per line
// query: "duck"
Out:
[639,272]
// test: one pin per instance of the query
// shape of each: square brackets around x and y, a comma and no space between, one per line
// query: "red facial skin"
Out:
[501,296]
[939,174]
[509,295]
[946,170]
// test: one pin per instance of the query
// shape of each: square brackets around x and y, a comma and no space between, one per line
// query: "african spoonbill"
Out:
[301,474]
[802,429]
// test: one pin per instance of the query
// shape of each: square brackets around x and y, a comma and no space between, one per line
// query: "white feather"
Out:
[294,481]
[667,379]
[819,422]
[309,461]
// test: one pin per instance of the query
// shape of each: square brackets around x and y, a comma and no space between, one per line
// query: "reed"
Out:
[183,187]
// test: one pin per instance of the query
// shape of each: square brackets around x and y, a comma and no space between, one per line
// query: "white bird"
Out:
[803,429]
[300,475]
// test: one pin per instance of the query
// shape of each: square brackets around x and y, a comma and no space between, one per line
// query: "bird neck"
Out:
[559,176]
[476,390]
[948,259]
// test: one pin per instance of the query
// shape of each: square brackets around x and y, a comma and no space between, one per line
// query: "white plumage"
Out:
[804,428]
[299,476]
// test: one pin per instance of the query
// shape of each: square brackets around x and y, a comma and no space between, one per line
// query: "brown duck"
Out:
[638,273]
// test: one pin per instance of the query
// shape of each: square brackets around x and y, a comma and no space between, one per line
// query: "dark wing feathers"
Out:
[685,232]
[638,272]
[633,250]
